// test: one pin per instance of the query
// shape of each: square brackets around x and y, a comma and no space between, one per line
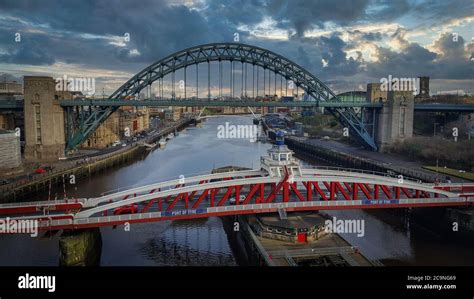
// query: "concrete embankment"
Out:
[82,168]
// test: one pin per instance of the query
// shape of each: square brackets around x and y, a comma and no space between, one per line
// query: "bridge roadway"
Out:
[316,189]
[432,107]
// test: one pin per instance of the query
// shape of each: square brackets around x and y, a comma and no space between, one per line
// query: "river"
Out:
[204,242]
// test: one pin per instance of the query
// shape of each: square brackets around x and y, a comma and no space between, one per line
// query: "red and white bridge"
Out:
[280,184]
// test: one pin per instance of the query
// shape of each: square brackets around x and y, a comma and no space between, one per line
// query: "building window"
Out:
[38,123]
[402,121]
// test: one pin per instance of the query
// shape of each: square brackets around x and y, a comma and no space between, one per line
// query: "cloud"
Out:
[451,61]
[304,15]
[27,51]
[343,43]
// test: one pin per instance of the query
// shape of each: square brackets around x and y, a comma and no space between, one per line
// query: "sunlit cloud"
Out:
[266,30]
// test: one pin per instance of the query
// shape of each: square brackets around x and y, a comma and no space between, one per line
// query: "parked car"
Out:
[47,167]
[40,170]
[130,209]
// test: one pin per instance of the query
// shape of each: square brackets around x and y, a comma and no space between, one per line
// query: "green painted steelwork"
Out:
[213,103]
[234,52]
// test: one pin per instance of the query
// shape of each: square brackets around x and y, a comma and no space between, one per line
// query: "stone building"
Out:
[173,114]
[7,121]
[106,134]
[395,120]
[375,93]
[44,119]
[11,88]
[131,119]
[10,155]
[424,92]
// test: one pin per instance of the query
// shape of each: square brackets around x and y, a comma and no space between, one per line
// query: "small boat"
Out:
[149,147]
[170,136]
[162,143]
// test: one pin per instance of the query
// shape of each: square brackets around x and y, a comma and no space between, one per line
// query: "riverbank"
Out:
[70,171]
[334,153]
[347,156]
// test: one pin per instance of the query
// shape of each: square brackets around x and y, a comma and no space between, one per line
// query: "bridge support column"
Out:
[395,120]
[44,119]
[80,247]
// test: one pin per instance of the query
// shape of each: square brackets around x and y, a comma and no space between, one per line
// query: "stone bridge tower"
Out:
[44,119]
[395,120]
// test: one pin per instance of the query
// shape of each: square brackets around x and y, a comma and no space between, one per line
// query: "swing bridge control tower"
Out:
[280,161]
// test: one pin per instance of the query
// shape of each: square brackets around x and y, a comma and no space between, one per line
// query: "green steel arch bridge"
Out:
[260,60]
[84,116]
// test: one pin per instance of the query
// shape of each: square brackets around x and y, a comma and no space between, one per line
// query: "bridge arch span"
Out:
[228,52]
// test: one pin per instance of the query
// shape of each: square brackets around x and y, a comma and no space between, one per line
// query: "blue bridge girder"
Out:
[226,52]
[214,103]
[443,107]
[17,105]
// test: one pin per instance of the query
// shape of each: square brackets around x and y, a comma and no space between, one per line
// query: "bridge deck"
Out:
[210,195]
[18,105]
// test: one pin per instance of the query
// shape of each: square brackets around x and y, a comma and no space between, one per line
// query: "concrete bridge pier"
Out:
[395,120]
[80,247]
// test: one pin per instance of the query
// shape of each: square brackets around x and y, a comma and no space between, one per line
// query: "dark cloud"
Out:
[79,32]
[156,30]
[414,60]
[234,13]
[27,51]
[387,10]
[437,12]
[303,15]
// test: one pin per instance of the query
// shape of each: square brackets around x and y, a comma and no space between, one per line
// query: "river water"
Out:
[388,238]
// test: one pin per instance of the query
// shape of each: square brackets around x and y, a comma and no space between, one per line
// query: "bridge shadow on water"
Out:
[187,244]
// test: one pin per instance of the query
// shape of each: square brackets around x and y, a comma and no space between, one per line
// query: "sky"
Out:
[345,43]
